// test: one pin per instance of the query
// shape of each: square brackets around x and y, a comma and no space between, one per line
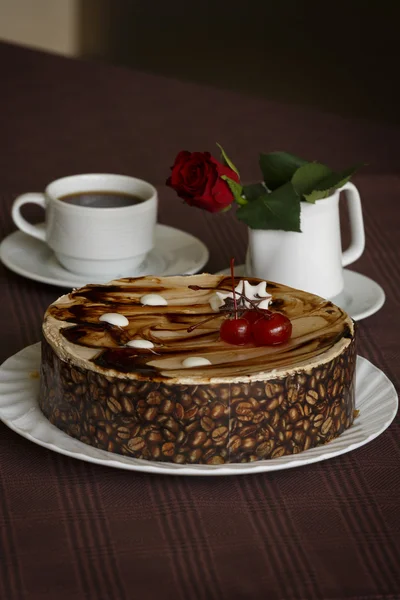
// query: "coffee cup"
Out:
[97,224]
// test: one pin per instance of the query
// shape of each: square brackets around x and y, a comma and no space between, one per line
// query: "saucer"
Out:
[175,253]
[362,296]
[376,399]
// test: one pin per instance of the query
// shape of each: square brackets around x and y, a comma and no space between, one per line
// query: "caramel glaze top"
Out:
[321,331]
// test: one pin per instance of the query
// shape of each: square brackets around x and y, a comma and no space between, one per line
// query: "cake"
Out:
[137,367]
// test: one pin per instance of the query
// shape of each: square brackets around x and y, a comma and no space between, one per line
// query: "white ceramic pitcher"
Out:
[313,259]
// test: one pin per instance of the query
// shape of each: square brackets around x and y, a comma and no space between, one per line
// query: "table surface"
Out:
[70,529]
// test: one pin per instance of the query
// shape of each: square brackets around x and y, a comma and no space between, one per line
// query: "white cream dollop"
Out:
[256,293]
[140,344]
[153,300]
[195,361]
[114,319]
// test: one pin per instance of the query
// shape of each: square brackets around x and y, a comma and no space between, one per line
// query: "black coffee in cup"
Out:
[99,244]
[101,199]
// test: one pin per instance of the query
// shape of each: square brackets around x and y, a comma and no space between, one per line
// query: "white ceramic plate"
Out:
[376,399]
[175,253]
[362,296]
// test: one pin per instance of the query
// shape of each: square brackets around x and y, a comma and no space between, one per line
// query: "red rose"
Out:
[196,177]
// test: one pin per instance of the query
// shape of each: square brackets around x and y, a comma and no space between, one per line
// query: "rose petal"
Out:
[196,178]
[224,170]
[222,194]
[182,156]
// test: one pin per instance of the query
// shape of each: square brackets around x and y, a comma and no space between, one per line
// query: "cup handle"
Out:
[357,245]
[23,224]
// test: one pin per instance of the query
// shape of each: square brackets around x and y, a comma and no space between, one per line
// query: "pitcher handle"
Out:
[357,244]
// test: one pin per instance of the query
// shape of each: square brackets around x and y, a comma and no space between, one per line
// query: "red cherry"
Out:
[272,330]
[252,316]
[236,332]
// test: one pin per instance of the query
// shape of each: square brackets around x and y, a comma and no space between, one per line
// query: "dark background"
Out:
[340,56]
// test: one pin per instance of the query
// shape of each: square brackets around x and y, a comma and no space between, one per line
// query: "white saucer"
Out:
[376,398]
[362,296]
[175,253]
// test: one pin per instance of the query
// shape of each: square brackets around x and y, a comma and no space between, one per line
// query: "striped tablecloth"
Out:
[69,529]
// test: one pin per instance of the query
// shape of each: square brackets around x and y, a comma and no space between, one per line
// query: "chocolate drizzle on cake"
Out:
[185,396]
[123,361]
[317,326]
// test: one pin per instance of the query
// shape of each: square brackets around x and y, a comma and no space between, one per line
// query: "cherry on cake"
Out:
[149,367]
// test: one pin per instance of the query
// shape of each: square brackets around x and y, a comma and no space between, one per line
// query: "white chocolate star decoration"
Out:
[245,291]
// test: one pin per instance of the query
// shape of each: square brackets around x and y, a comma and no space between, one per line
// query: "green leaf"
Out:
[315,181]
[331,182]
[236,189]
[227,160]
[279,167]
[308,177]
[253,191]
[278,210]
[337,180]
[317,195]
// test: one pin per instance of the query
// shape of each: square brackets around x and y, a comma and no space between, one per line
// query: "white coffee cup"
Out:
[313,259]
[90,240]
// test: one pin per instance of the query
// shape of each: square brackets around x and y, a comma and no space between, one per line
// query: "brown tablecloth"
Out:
[70,529]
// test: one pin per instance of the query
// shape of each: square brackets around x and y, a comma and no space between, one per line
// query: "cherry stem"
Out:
[254,305]
[222,289]
[193,327]
[233,286]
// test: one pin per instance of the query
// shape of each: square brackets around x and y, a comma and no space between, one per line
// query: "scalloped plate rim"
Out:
[30,359]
